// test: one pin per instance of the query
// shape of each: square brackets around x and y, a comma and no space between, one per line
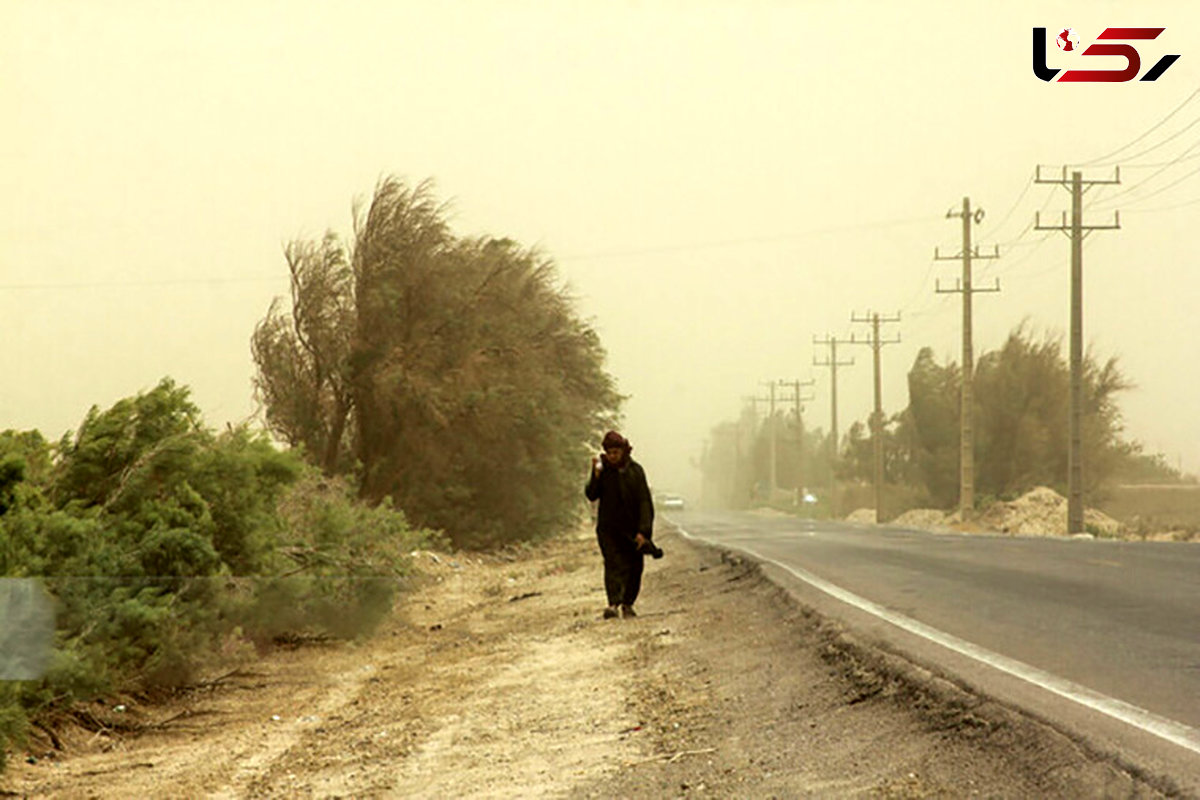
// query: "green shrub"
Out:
[13,721]
[160,540]
[338,566]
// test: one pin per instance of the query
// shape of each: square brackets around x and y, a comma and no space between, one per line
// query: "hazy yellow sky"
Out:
[717,181]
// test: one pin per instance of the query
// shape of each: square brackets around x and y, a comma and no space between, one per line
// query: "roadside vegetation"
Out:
[1020,393]
[164,544]
[449,373]
[432,391]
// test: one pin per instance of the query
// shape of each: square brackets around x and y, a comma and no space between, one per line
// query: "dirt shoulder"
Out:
[500,679]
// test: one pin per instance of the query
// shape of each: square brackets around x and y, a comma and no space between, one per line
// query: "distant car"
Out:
[671,501]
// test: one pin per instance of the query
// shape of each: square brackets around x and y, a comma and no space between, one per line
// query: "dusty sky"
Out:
[717,181]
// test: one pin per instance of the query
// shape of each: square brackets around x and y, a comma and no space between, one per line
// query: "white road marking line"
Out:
[1175,732]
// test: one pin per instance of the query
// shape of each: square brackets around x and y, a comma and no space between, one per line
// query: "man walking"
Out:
[624,521]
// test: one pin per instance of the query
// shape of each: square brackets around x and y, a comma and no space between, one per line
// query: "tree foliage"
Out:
[1021,407]
[302,355]
[459,376]
[1134,466]
[736,465]
[930,427]
[160,540]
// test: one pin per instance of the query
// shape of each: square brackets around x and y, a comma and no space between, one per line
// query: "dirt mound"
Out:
[862,515]
[929,519]
[1042,512]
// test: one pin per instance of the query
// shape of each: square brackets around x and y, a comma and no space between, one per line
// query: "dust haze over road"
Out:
[718,184]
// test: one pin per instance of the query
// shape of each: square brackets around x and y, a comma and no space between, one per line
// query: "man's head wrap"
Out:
[613,439]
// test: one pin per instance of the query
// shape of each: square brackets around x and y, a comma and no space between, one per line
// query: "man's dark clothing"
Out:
[625,511]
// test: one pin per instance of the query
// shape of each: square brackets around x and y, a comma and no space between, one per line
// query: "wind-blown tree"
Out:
[302,377]
[1137,466]
[857,459]
[1021,394]
[472,388]
[931,427]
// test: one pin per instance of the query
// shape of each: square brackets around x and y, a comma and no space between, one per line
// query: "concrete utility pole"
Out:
[1077,231]
[771,439]
[833,363]
[771,400]
[799,401]
[966,471]
[877,416]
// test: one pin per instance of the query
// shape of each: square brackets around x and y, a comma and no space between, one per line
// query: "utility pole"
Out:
[833,364]
[756,400]
[771,423]
[877,416]
[1077,231]
[966,471]
[799,401]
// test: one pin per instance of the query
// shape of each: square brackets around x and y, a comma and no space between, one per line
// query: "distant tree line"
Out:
[1021,406]
[449,374]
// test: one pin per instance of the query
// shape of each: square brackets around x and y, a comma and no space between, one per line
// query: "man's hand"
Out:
[596,466]
[641,541]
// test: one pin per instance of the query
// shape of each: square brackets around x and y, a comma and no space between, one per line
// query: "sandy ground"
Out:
[498,678]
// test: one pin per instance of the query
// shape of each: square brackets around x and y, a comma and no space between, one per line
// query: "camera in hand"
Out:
[651,549]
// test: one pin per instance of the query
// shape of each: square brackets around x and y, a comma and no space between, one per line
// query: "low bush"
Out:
[161,541]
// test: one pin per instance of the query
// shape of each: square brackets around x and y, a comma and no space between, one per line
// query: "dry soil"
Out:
[498,678]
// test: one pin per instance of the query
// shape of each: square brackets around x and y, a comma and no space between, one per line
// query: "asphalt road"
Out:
[1102,636]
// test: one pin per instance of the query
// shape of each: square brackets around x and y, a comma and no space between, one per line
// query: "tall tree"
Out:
[302,355]
[471,387]
[1021,419]
[931,426]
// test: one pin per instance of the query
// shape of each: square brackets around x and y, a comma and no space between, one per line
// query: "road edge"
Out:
[939,697]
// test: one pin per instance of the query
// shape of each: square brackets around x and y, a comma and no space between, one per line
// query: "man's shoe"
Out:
[610,612]
[627,612]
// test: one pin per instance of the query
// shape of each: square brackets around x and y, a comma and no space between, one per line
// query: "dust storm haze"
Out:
[717,182]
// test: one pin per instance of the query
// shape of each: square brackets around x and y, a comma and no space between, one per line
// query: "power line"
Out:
[1000,225]
[671,248]
[1152,148]
[1164,208]
[1152,129]
[920,291]
[1016,240]
[1151,176]
[1166,163]
[1101,207]
[159,282]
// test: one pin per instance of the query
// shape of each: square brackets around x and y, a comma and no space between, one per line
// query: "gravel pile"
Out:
[1042,512]
[862,515]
